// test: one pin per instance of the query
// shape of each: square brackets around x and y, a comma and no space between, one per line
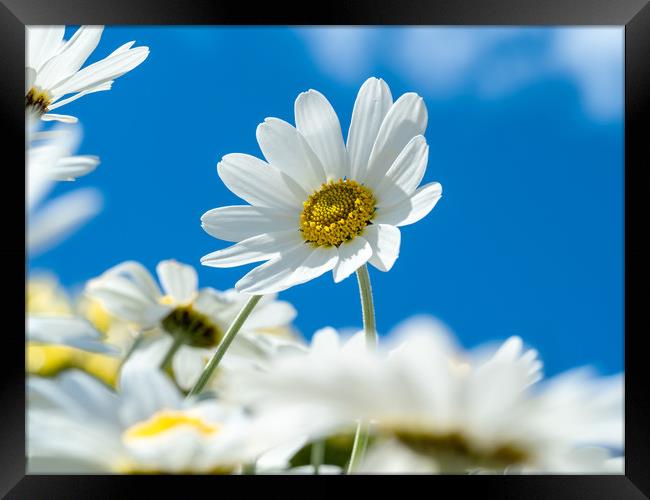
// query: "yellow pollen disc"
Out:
[336,213]
[167,420]
[38,99]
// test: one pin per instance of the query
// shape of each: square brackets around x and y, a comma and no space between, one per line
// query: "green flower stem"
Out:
[176,345]
[368,310]
[225,343]
[359,446]
[317,454]
[367,307]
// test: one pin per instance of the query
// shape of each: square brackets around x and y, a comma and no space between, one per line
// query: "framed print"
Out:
[379,241]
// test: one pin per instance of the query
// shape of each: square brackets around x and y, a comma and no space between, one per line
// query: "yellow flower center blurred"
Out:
[38,99]
[336,213]
[167,420]
[45,296]
[49,360]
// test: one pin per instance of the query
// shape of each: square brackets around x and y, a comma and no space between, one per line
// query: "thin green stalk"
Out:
[317,454]
[368,311]
[225,343]
[359,446]
[177,342]
[367,307]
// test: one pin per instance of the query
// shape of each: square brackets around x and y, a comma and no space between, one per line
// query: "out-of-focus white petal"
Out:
[72,167]
[180,281]
[60,217]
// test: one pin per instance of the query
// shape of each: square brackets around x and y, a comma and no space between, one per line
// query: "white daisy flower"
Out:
[320,204]
[199,318]
[66,330]
[48,160]
[447,410]
[54,67]
[147,427]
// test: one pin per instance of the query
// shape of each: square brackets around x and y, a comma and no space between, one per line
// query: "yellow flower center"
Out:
[167,420]
[49,360]
[37,99]
[196,329]
[336,213]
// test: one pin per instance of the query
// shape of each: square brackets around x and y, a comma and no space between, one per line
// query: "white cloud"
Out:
[442,62]
[594,58]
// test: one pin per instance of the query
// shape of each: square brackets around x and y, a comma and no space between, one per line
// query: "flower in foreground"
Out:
[146,427]
[54,67]
[320,204]
[196,318]
[436,408]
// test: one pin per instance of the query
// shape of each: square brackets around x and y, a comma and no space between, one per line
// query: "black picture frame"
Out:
[633,14]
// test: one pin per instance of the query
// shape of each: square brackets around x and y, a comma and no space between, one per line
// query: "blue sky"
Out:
[526,137]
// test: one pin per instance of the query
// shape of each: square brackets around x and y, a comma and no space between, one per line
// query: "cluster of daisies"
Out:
[144,374]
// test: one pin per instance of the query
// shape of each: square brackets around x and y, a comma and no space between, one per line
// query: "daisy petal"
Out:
[373,102]
[102,71]
[30,76]
[352,255]
[236,223]
[71,57]
[122,48]
[52,117]
[188,365]
[317,122]
[259,183]
[276,313]
[62,216]
[261,247]
[298,265]
[98,88]
[385,242]
[138,274]
[68,169]
[42,43]
[286,149]
[405,119]
[179,281]
[406,173]
[145,390]
[125,300]
[413,209]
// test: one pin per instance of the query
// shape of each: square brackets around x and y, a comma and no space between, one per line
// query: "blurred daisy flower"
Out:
[49,159]
[54,67]
[146,427]
[319,204]
[61,335]
[437,408]
[195,320]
